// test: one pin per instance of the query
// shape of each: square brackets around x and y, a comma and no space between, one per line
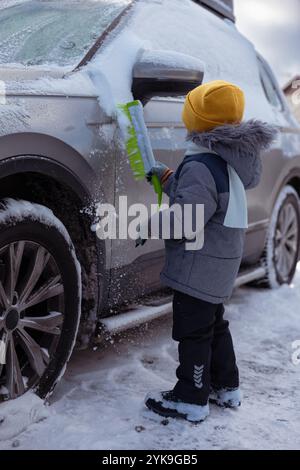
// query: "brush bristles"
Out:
[136,164]
[133,151]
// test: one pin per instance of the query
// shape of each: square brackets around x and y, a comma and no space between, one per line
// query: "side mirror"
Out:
[165,73]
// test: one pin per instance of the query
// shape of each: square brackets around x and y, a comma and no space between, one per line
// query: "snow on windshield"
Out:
[10,3]
[34,32]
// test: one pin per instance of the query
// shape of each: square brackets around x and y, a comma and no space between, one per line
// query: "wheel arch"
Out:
[295,183]
[46,154]
[275,276]
[292,178]
[42,180]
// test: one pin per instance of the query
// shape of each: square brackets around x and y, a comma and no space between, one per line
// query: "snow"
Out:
[77,84]
[13,116]
[52,31]
[99,404]
[113,78]
[12,210]
[17,415]
[175,60]
[16,210]
[192,412]
[232,398]
[10,3]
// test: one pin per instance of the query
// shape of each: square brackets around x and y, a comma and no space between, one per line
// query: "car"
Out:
[65,67]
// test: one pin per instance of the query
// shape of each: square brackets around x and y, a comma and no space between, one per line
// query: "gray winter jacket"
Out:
[218,181]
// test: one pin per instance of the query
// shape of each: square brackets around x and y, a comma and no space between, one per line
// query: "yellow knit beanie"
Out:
[213,104]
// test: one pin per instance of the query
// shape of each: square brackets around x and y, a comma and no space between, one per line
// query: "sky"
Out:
[274,28]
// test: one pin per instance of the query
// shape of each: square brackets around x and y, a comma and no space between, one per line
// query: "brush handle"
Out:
[136,112]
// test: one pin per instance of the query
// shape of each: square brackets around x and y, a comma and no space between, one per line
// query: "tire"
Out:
[283,238]
[40,298]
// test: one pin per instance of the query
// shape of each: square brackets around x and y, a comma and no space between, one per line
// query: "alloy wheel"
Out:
[31,315]
[286,241]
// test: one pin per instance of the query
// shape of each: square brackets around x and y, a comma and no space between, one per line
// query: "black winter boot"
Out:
[168,405]
[226,397]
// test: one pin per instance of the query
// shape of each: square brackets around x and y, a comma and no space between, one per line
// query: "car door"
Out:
[276,162]
[136,270]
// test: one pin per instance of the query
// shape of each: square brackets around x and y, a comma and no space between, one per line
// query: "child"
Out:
[222,160]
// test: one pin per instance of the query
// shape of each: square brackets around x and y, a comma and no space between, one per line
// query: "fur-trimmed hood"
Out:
[240,145]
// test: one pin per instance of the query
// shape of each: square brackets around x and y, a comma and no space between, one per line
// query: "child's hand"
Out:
[159,170]
[139,242]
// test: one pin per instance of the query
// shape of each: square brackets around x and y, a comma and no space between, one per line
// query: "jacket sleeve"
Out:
[196,185]
[169,185]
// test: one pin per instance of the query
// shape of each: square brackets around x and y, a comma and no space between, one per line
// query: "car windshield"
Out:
[35,32]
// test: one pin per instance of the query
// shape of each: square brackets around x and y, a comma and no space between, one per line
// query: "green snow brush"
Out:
[138,145]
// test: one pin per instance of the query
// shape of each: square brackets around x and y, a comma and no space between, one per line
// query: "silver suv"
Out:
[65,65]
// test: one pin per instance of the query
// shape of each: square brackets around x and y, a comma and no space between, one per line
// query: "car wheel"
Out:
[40,298]
[282,245]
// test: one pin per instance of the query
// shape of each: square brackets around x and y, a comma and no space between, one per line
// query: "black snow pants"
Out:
[206,354]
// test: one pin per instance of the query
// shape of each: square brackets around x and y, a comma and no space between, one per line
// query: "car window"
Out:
[36,32]
[269,87]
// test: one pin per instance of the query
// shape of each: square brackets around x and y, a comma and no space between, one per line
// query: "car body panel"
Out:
[68,130]
[69,136]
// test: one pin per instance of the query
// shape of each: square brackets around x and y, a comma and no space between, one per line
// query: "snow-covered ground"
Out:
[99,403]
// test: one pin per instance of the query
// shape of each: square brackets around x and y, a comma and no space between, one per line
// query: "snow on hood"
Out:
[240,145]
[10,3]
[17,72]
[46,82]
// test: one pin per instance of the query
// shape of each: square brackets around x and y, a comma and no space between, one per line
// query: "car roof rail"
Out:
[223,8]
